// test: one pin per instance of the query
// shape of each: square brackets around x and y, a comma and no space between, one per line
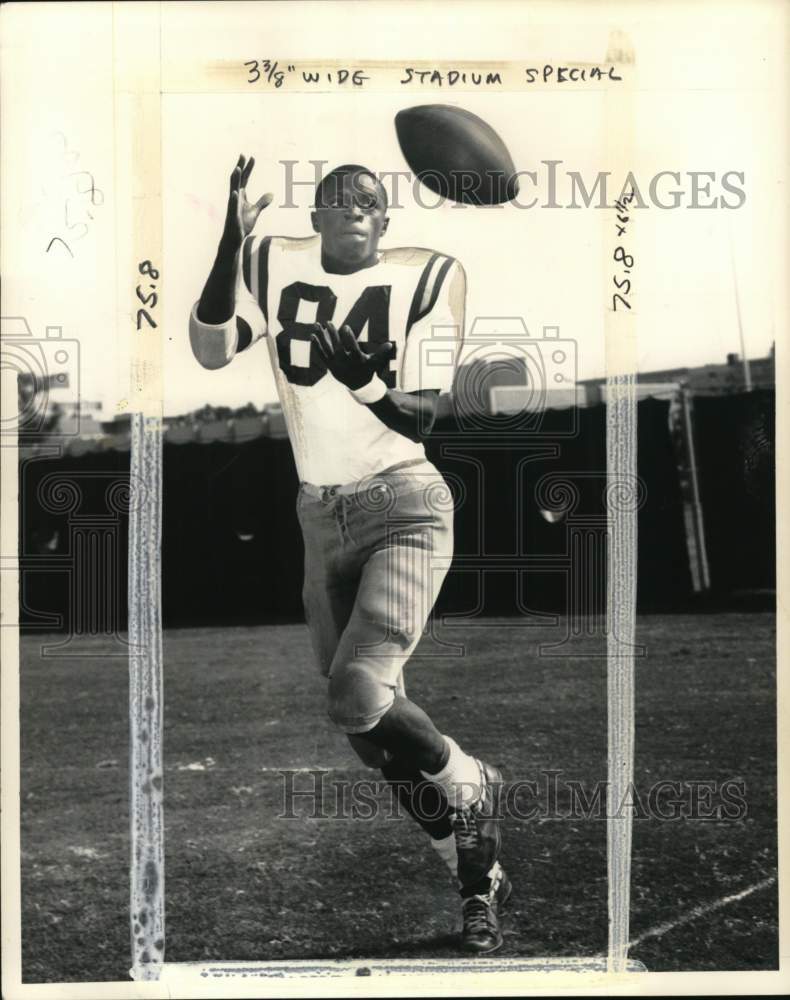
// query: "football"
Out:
[456,154]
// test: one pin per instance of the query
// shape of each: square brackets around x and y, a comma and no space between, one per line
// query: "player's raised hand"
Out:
[345,359]
[242,213]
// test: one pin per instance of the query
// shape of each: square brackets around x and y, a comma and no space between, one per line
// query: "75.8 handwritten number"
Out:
[150,300]
[623,285]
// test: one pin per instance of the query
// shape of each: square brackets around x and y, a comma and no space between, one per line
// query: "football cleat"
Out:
[476,828]
[482,932]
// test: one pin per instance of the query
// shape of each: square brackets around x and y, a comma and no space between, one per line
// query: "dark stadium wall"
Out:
[736,446]
[232,550]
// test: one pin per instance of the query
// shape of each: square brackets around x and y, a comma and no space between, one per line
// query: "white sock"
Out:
[459,779]
[445,848]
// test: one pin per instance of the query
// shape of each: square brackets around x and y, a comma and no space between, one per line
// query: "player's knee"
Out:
[357,697]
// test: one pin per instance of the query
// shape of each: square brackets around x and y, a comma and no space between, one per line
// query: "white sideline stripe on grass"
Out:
[702,911]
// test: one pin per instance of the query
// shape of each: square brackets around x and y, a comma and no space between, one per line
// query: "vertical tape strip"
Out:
[145,702]
[621,605]
[138,238]
[622,503]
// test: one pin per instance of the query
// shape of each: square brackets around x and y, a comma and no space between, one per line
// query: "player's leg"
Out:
[424,801]
[473,847]
[409,546]
[421,799]
[472,788]
[329,593]
[399,584]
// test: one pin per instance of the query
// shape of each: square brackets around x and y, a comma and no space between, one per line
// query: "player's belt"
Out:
[326,493]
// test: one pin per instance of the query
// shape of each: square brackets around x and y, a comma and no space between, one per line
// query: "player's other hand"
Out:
[242,214]
[345,359]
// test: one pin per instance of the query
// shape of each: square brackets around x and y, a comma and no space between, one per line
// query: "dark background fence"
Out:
[232,550]
[736,445]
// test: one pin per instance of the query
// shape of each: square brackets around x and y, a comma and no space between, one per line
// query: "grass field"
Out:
[242,884]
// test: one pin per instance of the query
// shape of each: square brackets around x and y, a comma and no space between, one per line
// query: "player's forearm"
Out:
[218,299]
[215,345]
[409,413]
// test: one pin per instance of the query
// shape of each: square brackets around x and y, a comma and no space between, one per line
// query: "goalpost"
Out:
[137,104]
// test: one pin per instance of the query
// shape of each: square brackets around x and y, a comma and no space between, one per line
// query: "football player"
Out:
[362,342]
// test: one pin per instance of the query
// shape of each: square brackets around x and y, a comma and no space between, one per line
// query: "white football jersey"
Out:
[412,298]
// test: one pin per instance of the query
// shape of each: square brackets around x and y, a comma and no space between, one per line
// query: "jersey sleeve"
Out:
[216,344]
[436,327]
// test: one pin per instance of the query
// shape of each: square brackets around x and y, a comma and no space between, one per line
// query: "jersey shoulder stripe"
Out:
[256,254]
[428,287]
[261,292]
[255,269]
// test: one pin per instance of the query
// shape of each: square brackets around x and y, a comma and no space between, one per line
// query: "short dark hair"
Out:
[347,170]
